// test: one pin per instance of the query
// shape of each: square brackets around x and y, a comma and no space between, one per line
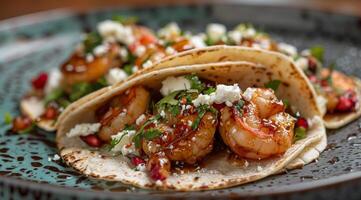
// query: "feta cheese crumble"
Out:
[125,145]
[84,129]
[140,119]
[235,36]
[216,31]
[302,63]
[169,31]
[198,41]
[147,64]
[115,75]
[113,31]
[100,50]
[54,79]
[287,49]
[33,106]
[223,94]
[171,84]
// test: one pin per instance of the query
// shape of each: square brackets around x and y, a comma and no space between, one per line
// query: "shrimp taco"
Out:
[339,95]
[193,127]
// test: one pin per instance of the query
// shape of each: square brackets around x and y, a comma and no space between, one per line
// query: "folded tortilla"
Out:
[219,169]
[258,56]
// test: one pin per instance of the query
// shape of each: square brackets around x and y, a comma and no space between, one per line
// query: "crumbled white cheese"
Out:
[302,63]
[171,84]
[169,31]
[248,94]
[125,145]
[84,129]
[170,51]
[140,50]
[162,113]
[147,64]
[56,157]
[33,107]
[89,58]
[198,41]
[235,36]
[287,49]
[216,31]
[114,31]
[115,75]
[223,94]
[54,80]
[140,119]
[158,183]
[141,167]
[249,32]
[123,52]
[306,52]
[101,50]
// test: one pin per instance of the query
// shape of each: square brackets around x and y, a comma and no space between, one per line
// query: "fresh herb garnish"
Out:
[329,77]
[274,84]
[128,69]
[300,133]
[201,110]
[128,20]
[170,103]
[137,139]
[91,41]
[318,52]
[114,142]
[83,88]
[151,133]
[53,95]
[209,90]
[195,82]
[239,105]
[8,118]
[286,102]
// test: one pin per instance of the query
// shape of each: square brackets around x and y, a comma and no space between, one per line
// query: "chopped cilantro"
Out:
[137,139]
[239,105]
[209,90]
[54,95]
[170,103]
[329,77]
[8,118]
[195,82]
[152,133]
[79,90]
[317,52]
[201,111]
[114,142]
[286,102]
[274,84]
[63,102]
[128,20]
[128,69]
[300,133]
[91,40]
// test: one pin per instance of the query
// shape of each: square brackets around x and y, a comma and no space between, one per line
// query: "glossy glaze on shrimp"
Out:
[179,142]
[122,110]
[260,129]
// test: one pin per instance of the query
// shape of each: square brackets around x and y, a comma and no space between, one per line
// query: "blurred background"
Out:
[13,8]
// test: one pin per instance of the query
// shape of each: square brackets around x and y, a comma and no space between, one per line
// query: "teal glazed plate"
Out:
[39,42]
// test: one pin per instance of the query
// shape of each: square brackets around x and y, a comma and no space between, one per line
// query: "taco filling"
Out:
[180,124]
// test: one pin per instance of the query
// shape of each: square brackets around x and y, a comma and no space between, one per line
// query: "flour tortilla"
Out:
[218,171]
[234,53]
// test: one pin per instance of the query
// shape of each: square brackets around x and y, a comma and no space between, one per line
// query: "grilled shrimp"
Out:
[179,142]
[260,129]
[79,69]
[123,110]
[341,94]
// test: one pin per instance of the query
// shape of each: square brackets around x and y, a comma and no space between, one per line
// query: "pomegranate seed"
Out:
[92,140]
[312,64]
[345,104]
[50,113]
[21,123]
[313,78]
[302,122]
[137,161]
[156,174]
[39,82]
[219,106]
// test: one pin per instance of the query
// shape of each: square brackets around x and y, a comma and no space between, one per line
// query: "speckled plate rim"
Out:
[39,17]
